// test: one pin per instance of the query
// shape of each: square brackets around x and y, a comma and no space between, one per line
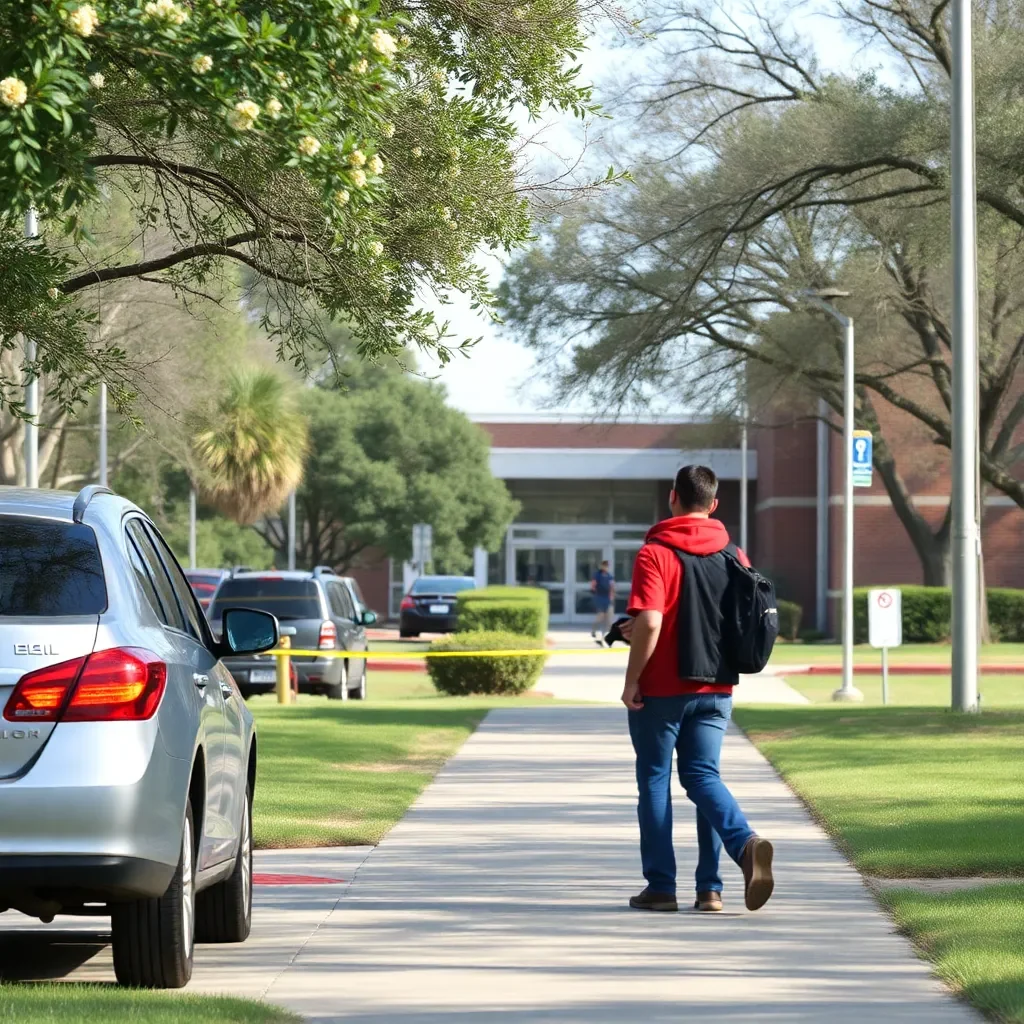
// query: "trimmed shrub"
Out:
[1006,614]
[522,610]
[460,676]
[790,614]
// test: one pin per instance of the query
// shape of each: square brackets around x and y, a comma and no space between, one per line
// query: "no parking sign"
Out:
[885,618]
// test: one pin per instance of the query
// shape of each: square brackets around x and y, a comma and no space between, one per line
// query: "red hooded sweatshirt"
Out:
[657,584]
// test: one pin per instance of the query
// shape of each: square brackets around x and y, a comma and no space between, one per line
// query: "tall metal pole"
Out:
[847,691]
[291,531]
[103,436]
[822,524]
[744,483]
[31,388]
[192,529]
[966,540]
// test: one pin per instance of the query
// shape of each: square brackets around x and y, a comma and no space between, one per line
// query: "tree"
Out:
[350,156]
[251,448]
[387,454]
[692,281]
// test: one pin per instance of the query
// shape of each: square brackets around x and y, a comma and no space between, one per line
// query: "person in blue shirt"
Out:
[602,586]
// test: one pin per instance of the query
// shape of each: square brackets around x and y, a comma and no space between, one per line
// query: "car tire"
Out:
[408,634]
[153,939]
[337,691]
[224,911]
[246,694]
[359,693]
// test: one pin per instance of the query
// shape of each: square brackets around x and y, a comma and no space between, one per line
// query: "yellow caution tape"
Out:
[391,655]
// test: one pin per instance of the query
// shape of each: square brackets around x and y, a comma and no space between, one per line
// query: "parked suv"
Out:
[127,757]
[318,606]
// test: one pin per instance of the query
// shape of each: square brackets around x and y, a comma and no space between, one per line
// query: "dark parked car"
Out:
[318,606]
[429,607]
[204,583]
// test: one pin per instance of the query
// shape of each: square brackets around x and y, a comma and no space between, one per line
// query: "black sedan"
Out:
[429,607]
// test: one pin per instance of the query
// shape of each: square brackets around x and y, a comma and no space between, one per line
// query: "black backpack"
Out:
[727,619]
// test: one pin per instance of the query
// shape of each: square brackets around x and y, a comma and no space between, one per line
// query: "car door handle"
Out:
[226,691]
[202,681]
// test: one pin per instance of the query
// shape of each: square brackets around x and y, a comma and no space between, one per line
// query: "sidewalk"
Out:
[501,898]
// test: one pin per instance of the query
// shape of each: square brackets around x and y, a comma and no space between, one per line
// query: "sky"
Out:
[499,378]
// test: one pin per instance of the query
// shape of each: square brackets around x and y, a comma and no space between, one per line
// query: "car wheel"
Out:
[338,690]
[224,911]
[408,634]
[359,693]
[153,939]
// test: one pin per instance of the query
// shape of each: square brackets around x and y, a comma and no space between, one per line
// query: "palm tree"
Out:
[252,447]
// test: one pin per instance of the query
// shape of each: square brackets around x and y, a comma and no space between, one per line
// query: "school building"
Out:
[589,489]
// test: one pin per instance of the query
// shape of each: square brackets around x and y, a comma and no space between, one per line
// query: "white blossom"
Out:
[357,176]
[96,80]
[13,92]
[387,129]
[165,10]
[376,165]
[357,158]
[352,21]
[383,43]
[376,247]
[54,293]
[342,196]
[309,146]
[359,67]
[274,107]
[201,63]
[243,115]
[84,21]
[417,151]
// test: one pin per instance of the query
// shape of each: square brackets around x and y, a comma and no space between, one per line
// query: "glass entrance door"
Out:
[543,567]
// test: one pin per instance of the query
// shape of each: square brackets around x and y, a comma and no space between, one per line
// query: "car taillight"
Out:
[122,684]
[40,695]
[407,602]
[328,636]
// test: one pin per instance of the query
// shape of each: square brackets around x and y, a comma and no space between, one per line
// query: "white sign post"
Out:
[885,627]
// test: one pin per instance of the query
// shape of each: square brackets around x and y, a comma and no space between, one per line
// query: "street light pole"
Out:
[31,387]
[847,691]
[744,483]
[966,539]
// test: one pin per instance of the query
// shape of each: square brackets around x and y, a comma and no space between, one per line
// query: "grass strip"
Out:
[102,1004]
[908,792]
[975,938]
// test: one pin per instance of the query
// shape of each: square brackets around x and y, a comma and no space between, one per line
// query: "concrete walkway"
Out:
[501,897]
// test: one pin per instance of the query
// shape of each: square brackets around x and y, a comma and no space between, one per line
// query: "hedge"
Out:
[790,614]
[521,610]
[460,676]
[927,614]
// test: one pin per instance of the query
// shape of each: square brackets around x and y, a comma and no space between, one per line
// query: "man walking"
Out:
[678,691]
[602,586]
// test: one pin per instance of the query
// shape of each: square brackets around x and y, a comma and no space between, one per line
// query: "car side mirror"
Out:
[369,618]
[247,631]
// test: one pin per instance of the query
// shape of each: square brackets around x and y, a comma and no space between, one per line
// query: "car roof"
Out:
[446,576]
[50,504]
[281,574]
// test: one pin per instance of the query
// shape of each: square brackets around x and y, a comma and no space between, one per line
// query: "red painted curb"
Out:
[901,669]
[259,879]
[398,666]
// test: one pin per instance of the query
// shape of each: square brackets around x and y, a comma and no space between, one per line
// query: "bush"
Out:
[1006,614]
[790,614]
[460,676]
[521,610]
[926,614]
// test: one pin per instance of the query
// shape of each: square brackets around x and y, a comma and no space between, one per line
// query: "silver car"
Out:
[127,756]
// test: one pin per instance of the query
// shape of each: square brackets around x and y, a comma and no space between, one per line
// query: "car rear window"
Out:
[442,584]
[49,568]
[287,599]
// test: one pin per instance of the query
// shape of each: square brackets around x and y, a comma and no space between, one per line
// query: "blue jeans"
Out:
[693,725]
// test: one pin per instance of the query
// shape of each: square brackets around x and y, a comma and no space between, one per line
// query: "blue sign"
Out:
[861,458]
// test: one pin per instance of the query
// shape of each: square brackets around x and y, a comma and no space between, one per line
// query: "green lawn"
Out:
[909,792]
[63,1003]
[824,654]
[399,645]
[333,773]
[974,938]
[913,691]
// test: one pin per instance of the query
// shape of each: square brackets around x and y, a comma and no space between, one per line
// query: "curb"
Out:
[901,669]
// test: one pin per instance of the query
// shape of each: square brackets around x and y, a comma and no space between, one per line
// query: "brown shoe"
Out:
[708,902]
[756,863]
[649,900]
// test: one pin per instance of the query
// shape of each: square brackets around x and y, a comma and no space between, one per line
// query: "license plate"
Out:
[439,609]
[263,675]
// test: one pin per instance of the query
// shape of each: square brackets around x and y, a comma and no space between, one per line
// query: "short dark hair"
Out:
[696,488]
